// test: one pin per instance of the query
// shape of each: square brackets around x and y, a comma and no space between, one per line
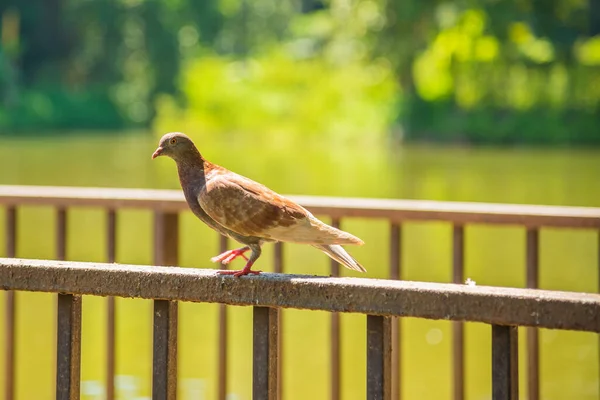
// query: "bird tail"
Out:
[340,255]
[329,235]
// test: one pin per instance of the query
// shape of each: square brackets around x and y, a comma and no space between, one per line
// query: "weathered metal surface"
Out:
[395,273]
[68,344]
[505,363]
[494,305]
[164,362]
[264,381]
[533,357]
[10,306]
[396,210]
[223,334]
[111,252]
[458,333]
[334,346]
[379,357]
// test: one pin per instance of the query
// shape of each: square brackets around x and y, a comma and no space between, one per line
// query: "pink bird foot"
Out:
[246,271]
[230,255]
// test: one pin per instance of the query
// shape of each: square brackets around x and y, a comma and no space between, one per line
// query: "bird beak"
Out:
[157,152]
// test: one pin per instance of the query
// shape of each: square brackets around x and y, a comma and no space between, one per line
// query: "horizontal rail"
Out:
[391,209]
[492,305]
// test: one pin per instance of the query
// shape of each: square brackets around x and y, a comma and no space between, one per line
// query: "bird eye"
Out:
[173,141]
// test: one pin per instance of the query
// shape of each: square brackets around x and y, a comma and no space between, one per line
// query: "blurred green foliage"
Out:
[276,94]
[471,85]
[483,71]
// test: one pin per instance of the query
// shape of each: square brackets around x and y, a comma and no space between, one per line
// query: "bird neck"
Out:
[191,168]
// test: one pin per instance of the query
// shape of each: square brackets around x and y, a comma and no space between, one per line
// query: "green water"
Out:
[494,256]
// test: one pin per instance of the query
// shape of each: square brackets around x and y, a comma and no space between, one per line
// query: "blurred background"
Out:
[468,100]
[477,71]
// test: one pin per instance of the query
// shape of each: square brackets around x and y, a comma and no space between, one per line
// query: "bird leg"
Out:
[230,255]
[256,250]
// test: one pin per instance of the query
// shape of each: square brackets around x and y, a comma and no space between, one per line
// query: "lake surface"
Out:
[494,256]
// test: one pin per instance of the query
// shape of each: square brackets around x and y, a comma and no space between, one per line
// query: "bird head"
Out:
[175,145]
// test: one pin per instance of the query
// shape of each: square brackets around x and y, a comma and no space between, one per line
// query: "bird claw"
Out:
[230,255]
[238,273]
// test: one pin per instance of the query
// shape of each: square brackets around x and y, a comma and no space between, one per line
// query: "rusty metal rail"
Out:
[167,204]
[502,308]
[335,207]
[445,301]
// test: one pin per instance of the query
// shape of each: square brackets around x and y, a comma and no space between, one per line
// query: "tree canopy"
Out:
[480,70]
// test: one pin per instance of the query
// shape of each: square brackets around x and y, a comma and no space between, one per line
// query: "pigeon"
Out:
[247,211]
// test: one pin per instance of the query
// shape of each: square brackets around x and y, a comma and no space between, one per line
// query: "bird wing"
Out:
[251,209]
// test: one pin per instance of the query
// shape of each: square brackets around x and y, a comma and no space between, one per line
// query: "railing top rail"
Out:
[395,210]
[494,305]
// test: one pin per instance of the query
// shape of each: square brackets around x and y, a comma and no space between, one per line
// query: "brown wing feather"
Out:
[247,207]
[251,209]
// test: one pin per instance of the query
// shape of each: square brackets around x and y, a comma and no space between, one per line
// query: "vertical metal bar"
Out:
[458,245]
[222,366]
[111,244]
[11,231]
[278,268]
[264,382]
[335,267]
[68,344]
[10,309]
[395,273]
[61,254]
[278,259]
[395,247]
[111,236]
[9,346]
[223,243]
[379,357]
[533,383]
[164,363]
[166,238]
[61,233]
[335,334]
[505,363]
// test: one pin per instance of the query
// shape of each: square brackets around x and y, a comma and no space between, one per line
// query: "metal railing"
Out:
[167,204]
[503,308]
